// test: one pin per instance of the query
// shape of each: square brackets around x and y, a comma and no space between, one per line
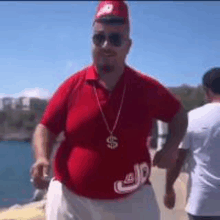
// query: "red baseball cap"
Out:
[114,10]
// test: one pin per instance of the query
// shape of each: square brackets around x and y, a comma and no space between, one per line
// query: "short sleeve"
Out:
[54,117]
[165,104]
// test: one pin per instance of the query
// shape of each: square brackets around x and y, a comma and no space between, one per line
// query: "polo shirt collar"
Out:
[92,74]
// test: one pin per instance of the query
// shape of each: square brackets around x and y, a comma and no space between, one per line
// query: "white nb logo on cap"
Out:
[105,10]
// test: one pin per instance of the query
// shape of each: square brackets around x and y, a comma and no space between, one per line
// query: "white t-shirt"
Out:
[203,141]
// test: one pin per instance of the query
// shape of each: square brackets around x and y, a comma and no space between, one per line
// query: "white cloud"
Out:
[2,95]
[30,92]
[34,92]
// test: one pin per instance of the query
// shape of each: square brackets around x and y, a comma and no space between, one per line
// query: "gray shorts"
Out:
[63,204]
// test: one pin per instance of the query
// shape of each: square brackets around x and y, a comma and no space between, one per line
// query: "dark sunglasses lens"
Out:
[98,39]
[115,40]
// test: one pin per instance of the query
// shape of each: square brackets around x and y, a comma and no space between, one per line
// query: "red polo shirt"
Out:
[83,162]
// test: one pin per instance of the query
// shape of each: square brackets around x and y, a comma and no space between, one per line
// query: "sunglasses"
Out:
[115,39]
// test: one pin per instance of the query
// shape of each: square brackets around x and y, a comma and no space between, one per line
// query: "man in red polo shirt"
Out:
[106,110]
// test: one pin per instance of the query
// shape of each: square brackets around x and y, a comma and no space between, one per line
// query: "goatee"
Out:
[106,69]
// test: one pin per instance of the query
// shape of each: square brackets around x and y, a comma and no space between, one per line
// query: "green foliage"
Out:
[29,127]
[28,116]
[3,116]
[13,119]
[18,119]
[191,97]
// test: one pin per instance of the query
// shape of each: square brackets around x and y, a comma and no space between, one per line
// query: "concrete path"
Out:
[158,180]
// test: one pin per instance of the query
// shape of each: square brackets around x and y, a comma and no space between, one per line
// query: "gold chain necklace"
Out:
[112,140]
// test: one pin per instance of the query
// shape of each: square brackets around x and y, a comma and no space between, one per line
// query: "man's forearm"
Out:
[177,128]
[43,141]
[171,176]
[173,172]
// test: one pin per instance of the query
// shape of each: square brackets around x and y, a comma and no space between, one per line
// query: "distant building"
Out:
[7,103]
[25,103]
[15,104]
[21,103]
[38,104]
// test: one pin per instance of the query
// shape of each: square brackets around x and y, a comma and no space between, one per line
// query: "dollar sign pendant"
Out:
[112,142]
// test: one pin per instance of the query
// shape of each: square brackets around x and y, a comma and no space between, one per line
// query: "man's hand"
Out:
[43,141]
[170,199]
[40,173]
[165,158]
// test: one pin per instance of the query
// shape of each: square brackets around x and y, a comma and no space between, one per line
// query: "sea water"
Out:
[16,159]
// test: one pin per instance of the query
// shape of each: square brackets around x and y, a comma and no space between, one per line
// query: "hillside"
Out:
[19,125]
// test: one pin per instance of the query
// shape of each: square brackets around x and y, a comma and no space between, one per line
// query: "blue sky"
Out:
[42,43]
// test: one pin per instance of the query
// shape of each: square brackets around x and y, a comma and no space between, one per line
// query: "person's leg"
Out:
[62,204]
[196,217]
[142,205]
[54,201]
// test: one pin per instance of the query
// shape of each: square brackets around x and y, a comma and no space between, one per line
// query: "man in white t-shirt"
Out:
[201,147]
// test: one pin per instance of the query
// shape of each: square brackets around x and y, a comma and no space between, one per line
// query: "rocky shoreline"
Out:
[34,211]
[23,136]
[17,136]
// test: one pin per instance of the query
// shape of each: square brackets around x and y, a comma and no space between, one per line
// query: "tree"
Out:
[3,117]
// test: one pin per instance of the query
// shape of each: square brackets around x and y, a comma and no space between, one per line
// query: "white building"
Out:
[7,103]
[25,102]
[14,103]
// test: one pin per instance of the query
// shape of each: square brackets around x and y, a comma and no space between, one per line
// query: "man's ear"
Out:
[209,94]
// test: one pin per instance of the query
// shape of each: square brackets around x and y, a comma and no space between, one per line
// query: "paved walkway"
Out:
[158,180]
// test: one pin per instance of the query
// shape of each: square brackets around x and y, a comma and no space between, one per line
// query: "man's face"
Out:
[107,56]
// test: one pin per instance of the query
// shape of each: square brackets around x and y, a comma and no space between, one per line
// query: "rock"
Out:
[16,206]
[38,195]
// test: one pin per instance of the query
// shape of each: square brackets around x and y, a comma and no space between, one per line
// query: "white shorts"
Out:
[63,204]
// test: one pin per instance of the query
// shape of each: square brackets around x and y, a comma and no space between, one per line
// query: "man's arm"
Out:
[173,172]
[43,141]
[177,128]
[171,176]
[167,156]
